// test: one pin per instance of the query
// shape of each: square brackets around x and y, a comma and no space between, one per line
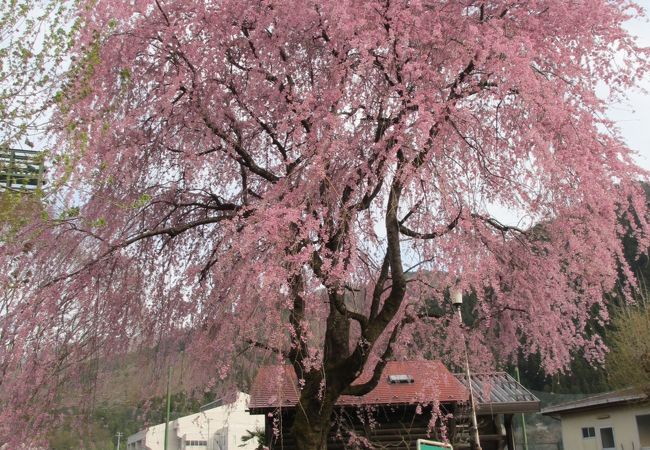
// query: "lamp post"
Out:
[457,302]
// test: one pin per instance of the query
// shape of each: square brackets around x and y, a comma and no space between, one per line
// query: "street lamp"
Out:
[457,302]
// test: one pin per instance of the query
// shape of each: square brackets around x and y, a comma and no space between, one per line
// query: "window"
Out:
[588,432]
[400,379]
[136,445]
[195,443]
[607,438]
[643,426]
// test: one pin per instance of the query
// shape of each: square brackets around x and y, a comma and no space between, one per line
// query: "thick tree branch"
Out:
[164,14]
[417,235]
[169,231]
[262,346]
[379,288]
[172,231]
[296,316]
[245,158]
[370,196]
[380,321]
[498,225]
[459,79]
[368,386]
[339,303]
[265,127]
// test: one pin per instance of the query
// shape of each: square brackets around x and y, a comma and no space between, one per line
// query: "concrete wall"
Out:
[218,428]
[622,419]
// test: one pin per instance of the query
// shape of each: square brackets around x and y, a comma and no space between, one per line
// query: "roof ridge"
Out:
[599,399]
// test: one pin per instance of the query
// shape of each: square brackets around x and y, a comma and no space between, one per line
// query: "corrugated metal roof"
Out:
[277,386]
[498,392]
[622,396]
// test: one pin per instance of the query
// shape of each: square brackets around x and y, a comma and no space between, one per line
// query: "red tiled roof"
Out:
[277,386]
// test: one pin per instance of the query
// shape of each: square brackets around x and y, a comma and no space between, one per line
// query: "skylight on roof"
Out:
[400,379]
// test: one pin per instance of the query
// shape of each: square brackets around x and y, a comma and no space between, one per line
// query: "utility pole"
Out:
[119,436]
[523,418]
[457,302]
[169,377]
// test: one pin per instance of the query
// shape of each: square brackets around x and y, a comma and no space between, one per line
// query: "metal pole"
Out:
[12,170]
[477,441]
[169,377]
[119,435]
[523,418]
[207,419]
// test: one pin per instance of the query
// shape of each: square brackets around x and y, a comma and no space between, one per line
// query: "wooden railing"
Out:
[21,169]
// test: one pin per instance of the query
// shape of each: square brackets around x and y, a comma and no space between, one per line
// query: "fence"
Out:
[543,432]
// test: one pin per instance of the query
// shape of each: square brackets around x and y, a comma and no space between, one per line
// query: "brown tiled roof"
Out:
[277,386]
[629,395]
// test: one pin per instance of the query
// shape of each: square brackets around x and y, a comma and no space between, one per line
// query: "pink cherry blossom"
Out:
[308,178]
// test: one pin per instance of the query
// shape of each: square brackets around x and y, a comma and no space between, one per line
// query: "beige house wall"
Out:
[622,419]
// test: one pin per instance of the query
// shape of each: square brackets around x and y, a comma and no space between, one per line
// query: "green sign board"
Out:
[433,445]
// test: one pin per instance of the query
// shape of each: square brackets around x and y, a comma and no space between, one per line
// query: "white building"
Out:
[609,421]
[218,428]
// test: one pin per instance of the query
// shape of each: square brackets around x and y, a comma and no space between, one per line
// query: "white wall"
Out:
[216,426]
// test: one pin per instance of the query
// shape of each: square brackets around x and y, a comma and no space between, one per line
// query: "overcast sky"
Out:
[634,117]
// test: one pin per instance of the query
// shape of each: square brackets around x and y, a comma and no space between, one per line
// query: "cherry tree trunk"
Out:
[312,423]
